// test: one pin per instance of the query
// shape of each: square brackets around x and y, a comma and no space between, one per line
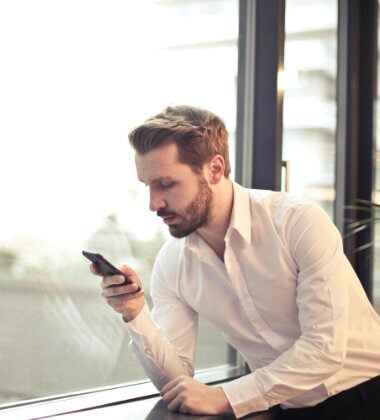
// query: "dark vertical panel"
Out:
[347,113]
[356,93]
[267,137]
[259,133]
[366,130]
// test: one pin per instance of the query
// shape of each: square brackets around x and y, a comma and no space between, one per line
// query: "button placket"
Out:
[240,286]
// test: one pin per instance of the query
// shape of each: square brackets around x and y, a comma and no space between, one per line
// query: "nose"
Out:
[157,200]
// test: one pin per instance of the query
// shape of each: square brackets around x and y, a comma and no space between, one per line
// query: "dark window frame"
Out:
[356,96]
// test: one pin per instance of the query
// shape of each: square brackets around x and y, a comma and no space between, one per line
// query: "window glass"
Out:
[76,76]
[309,111]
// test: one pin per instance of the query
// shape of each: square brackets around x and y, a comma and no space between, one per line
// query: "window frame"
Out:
[355,137]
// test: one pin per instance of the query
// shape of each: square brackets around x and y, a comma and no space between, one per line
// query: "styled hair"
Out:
[199,135]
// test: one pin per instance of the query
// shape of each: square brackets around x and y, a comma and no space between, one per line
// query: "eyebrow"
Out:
[158,180]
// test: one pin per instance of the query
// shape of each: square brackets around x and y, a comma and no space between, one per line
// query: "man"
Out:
[267,268]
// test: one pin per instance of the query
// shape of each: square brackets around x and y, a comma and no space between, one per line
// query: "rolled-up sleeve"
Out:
[164,340]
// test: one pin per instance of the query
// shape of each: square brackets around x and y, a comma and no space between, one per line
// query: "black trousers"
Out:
[361,402]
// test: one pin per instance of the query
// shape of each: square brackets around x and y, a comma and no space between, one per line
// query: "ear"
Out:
[216,169]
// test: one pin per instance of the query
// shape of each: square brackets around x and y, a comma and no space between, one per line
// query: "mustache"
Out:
[164,213]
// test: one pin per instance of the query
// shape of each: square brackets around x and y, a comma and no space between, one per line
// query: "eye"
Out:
[167,185]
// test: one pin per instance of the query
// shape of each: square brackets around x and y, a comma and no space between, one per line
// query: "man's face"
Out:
[182,198]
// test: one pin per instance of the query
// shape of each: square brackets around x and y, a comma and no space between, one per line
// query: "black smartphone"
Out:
[105,266]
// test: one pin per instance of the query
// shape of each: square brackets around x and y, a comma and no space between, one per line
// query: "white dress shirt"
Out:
[285,297]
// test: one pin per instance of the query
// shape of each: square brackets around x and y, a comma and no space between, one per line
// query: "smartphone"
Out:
[106,267]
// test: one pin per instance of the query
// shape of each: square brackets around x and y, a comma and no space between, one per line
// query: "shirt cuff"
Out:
[244,396]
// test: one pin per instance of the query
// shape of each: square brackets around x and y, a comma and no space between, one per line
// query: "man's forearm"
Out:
[155,353]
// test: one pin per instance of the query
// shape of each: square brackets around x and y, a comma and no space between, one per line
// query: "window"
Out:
[309,122]
[76,76]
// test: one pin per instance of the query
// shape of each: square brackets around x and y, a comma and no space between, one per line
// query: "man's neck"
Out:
[215,231]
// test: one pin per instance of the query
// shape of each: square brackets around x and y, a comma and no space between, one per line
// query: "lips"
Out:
[167,218]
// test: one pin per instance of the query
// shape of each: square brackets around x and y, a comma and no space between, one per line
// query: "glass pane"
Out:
[76,76]
[309,82]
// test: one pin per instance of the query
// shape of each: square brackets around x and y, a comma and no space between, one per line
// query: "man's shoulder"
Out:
[171,249]
[270,198]
[276,205]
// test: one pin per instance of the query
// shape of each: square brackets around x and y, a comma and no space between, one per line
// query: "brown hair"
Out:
[199,135]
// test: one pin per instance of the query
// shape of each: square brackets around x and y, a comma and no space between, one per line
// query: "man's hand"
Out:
[123,298]
[186,395]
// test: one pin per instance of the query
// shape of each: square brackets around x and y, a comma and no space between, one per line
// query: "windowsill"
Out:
[91,399]
[150,409]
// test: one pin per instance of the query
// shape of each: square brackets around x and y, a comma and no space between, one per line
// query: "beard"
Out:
[197,212]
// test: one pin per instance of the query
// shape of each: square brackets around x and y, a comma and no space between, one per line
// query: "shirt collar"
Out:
[240,219]
[241,214]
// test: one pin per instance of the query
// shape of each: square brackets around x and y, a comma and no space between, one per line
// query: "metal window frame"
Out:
[259,110]
[355,136]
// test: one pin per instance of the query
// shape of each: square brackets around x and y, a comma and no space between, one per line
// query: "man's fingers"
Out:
[129,272]
[109,281]
[95,269]
[169,396]
[118,290]
[174,395]
[167,387]
[173,400]
[123,295]
[116,279]
[178,402]
[177,384]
